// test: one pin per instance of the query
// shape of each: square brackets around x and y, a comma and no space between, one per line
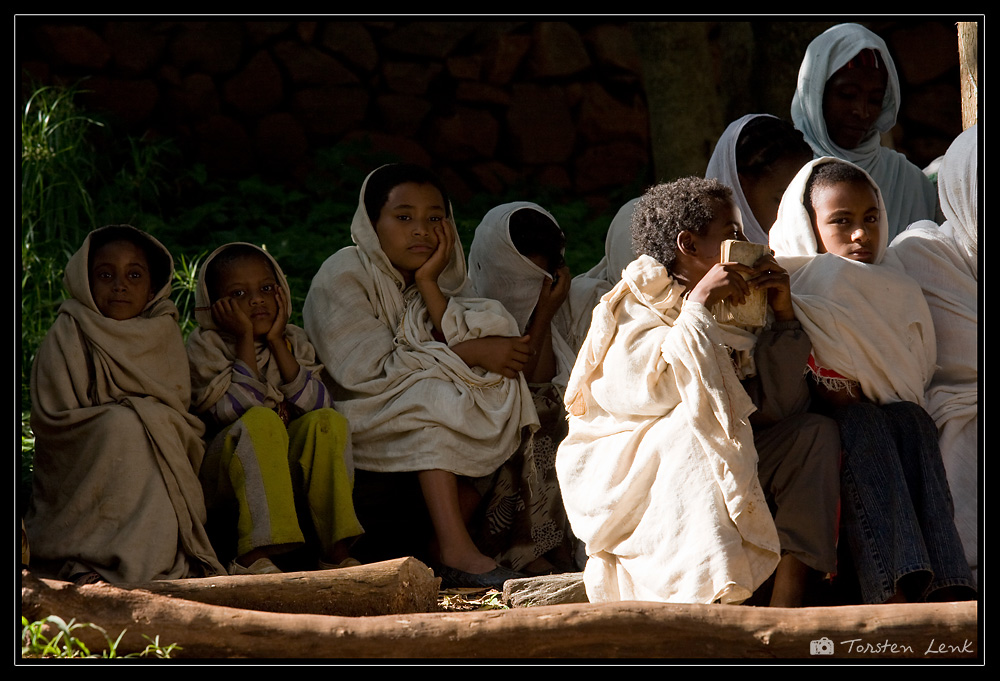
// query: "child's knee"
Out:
[262,417]
[327,420]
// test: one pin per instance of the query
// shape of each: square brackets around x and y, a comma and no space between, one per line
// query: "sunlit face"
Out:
[763,194]
[846,220]
[726,224]
[406,223]
[120,280]
[250,283]
[852,102]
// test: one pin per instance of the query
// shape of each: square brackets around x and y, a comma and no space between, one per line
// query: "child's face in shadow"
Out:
[763,194]
[405,226]
[846,220]
[120,280]
[252,286]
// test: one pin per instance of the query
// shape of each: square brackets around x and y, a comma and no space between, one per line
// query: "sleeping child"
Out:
[873,357]
[116,495]
[429,379]
[277,473]
[516,258]
[666,475]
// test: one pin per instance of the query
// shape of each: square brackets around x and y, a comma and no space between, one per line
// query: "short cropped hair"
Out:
[381,183]
[665,210]
[226,258]
[829,174]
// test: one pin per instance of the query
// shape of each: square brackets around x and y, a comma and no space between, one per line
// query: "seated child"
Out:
[757,156]
[277,471]
[516,257]
[873,357]
[659,470]
[430,380]
[573,317]
[116,494]
[943,260]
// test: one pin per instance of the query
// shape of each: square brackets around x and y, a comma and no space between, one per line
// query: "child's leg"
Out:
[456,548]
[318,457]
[248,463]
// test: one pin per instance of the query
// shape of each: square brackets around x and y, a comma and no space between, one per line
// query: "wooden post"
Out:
[968,53]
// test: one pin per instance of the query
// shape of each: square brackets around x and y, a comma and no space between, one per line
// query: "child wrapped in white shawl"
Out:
[413,402]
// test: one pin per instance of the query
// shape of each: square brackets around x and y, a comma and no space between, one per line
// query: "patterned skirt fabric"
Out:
[524,518]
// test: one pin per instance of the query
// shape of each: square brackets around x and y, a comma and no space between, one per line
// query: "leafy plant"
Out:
[66,644]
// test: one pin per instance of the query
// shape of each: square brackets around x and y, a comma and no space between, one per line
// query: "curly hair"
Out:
[665,210]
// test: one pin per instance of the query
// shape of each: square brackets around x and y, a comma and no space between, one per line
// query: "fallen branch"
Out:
[607,630]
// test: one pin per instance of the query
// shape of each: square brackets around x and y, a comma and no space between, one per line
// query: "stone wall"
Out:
[558,103]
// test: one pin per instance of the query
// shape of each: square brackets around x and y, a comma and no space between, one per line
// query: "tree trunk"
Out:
[968,54]
[403,585]
[605,630]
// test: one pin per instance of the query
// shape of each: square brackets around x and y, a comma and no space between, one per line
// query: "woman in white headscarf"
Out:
[847,96]
[944,261]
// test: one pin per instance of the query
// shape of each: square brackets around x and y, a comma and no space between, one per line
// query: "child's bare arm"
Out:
[504,355]
[541,365]
[426,278]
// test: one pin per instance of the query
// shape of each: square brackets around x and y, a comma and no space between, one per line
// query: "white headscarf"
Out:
[867,322]
[573,318]
[722,167]
[909,195]
[499,271]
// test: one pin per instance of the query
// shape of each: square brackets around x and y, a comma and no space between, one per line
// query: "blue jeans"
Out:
[898,515]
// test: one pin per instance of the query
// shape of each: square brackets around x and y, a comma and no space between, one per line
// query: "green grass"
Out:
[39,641]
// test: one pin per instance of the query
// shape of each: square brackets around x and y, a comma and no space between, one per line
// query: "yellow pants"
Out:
[270,472]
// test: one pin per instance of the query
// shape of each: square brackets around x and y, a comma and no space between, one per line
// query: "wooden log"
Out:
[402,585]
[605,630]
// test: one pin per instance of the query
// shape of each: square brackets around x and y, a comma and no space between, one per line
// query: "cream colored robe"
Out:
[412,403]
[116,451]
[944,261]
[868,322]
[659,470]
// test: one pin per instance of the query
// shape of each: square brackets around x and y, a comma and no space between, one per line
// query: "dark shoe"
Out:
[494,579]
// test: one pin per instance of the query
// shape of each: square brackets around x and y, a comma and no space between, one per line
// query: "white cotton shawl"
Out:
[658,471]
[869,323]
[573,318]
[412,403]
[909,195]
[117,453]
[943,260]
[499,271]
[722,167]
[212,353]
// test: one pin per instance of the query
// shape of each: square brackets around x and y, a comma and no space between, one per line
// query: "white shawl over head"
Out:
[212,353]
[722,167]
[943,260]
[499,271]
[658,471]
[412,403]
[868,323]
[909,195]
[116,451]
[573,318]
